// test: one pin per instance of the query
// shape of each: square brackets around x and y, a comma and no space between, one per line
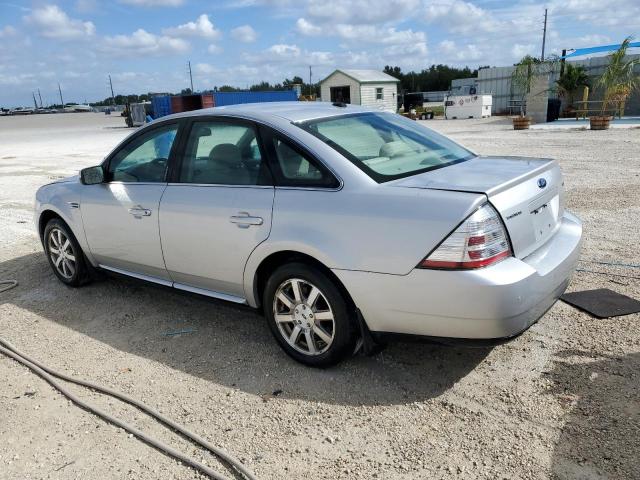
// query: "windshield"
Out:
[387,146]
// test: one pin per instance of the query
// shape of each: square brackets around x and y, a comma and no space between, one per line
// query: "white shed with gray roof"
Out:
[369,88]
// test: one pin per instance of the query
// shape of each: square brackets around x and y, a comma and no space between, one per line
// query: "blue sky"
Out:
[145,44]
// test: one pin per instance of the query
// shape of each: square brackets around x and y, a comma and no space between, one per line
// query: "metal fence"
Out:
[497,82]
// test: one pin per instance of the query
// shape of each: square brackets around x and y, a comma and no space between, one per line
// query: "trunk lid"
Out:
[527,192]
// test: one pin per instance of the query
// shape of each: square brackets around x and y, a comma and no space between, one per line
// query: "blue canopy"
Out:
[603,48]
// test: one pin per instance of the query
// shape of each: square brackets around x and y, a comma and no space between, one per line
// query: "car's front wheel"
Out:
[64,254]
[309,316]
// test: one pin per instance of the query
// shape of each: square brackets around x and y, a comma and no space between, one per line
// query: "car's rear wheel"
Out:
[64,254]
[309,316]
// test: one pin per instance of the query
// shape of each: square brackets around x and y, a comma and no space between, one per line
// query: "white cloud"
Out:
[468,53]
[284,51]
[519,50]
[52,22]
[593,39]
[204,69]
[7,31]
[319,58]
[307,28]
[153,3]
[244,34]
[361,11]
[142,42]
[462,17]
[202,27]
[291,56]
[363,33]
[214,49]
[611,13]
[17,79]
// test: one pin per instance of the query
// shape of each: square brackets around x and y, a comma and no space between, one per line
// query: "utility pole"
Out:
[190,76]
[40,97]
[113,98]
[60,91]
[544,33]
[310,87]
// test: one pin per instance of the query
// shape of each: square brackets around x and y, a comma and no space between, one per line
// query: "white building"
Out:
[369,88]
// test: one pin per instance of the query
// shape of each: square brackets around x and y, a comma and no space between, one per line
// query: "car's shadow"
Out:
[600,437]
[227,344]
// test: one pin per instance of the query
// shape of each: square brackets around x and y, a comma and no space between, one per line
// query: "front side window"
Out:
[145,158]
[223,153]
[387,146]
[379,94]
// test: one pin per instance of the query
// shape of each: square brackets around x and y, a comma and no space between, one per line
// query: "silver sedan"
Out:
[344,225]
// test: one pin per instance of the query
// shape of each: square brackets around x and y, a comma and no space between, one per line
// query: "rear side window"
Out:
[387,146]
[223,153]
[296,168]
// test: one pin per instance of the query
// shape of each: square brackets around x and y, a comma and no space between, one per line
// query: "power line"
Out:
[544,34]
[113,99]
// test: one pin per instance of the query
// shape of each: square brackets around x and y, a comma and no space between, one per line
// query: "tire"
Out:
[70,267]
[316,326]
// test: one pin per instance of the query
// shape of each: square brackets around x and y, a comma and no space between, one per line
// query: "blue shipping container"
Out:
[233,98]
[161,106]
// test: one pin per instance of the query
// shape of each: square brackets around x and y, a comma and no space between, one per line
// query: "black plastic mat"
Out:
[602,303]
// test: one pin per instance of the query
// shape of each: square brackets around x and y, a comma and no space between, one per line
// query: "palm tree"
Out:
[524,73]
[618,80]
[573,77]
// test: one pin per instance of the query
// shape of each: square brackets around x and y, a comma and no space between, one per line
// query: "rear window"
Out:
[387,146]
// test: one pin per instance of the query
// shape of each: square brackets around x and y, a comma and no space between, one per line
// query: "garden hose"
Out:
[50,375]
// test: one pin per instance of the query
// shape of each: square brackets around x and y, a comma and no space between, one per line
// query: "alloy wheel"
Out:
[61,253]
[304,316]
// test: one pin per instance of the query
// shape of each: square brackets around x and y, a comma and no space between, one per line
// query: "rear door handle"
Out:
[244,220]
[139,211]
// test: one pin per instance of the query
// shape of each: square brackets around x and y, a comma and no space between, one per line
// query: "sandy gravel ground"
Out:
[561,401]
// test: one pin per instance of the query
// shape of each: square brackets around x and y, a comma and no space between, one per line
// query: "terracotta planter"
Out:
[521,123]
[600,123]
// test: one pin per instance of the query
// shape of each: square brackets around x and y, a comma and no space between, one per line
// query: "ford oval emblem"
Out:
[542,182]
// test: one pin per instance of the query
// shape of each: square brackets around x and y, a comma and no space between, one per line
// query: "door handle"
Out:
[244,220]
[139,211]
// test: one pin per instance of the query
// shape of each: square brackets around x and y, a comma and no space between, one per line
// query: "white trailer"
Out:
[468,106]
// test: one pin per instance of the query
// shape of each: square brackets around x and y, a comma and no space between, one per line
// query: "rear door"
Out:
[120,216]
[217,208]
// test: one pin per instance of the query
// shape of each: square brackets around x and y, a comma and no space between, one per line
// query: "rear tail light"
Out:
[480,240]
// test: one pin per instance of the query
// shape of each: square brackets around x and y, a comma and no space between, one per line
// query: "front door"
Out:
[120,216]
[218,209]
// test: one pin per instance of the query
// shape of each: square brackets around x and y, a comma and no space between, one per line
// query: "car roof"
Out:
[291,111]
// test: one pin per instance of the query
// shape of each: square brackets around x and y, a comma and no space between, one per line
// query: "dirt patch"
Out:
[561,401]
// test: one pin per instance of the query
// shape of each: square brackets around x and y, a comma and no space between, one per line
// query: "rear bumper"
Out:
[497,302]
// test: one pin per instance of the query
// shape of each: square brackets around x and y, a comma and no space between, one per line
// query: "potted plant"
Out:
[572,78]
[522,79]
[617,82]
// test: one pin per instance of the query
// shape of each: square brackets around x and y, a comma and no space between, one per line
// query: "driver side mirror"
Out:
[92,175]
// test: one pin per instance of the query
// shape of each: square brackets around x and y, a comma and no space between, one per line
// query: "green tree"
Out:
[524,73]
[618,80]
[573,77]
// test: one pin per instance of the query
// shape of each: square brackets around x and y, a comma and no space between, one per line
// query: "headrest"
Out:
[227,154]
[392,149]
